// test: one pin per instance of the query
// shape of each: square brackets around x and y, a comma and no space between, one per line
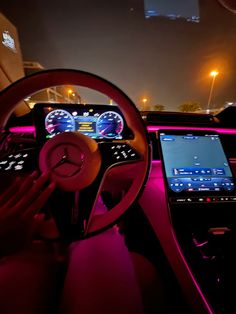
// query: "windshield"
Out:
[167,55]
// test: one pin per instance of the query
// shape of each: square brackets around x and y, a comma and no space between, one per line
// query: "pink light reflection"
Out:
[156,162]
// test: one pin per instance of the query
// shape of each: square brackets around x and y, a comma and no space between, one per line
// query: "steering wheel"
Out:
[77,162]
[230,5]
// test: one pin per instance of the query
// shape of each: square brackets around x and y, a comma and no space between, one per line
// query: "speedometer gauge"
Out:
[110,124]
[59,121]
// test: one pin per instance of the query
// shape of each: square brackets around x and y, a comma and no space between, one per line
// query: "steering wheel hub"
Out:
[73,160]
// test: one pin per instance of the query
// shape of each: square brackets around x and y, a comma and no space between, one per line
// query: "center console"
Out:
[201,194]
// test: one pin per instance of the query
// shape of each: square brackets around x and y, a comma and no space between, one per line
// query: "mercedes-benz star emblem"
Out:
[66,160]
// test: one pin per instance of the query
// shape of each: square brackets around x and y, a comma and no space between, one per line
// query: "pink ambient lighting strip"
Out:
[152,128]
[165,232]
[22,129]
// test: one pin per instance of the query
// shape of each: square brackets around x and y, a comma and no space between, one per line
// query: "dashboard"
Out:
[103,123]
[100,122]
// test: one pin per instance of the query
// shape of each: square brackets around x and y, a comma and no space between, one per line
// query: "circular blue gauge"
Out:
[58,121]
[110,124]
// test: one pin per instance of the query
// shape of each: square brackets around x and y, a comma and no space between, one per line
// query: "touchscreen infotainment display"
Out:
[195,162]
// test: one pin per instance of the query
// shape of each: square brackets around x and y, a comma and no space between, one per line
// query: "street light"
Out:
[144,101]
[213,74]
[69,92]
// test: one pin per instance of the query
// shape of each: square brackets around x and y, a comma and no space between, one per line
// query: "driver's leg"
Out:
[101,277]
[27,280]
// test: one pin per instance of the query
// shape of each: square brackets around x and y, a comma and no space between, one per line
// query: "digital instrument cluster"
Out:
[95,121]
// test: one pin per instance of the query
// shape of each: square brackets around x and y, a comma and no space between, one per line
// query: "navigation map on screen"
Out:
[195,163]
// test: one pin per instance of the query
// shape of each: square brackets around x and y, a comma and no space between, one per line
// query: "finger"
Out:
[25,216]
[7,215]
[39,202]
[33,188]
[10,191]
[20,213]
[8,222]
[39,216]
[25,209]
[24,190]
[20,189]
[25,195]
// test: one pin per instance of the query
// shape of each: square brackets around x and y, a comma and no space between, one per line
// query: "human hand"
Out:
[18,205]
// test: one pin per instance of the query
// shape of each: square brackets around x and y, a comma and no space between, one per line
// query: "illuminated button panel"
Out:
[19,161]
[119,152]
[205,199]
[201,184]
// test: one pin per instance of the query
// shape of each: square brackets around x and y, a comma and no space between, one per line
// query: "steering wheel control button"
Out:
[117,152]
[24,160]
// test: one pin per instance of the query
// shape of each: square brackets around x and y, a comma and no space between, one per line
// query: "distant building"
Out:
[13,68]
[31,67]
[57,94]
[11,64]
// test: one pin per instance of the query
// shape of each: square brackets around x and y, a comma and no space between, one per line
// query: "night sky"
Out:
[166,61]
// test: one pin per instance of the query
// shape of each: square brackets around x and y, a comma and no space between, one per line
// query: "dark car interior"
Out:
[187,230]
[164,181]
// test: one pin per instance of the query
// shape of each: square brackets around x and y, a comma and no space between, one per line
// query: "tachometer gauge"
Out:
[58,121]
[110,124]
